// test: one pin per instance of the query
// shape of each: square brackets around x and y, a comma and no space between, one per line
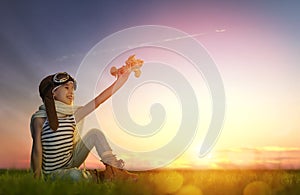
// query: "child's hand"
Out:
[123,75]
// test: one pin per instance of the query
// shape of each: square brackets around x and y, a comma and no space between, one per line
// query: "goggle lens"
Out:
[63,77]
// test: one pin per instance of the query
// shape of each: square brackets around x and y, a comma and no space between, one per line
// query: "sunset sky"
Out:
[255,45]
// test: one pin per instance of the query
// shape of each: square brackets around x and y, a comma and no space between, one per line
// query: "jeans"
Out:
[94,138]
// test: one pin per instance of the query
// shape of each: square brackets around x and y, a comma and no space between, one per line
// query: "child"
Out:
[57,149]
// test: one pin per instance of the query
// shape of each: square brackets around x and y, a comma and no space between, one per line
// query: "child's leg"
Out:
[114,167]
[93,138]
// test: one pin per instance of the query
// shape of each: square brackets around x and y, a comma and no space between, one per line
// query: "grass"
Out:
[206,182]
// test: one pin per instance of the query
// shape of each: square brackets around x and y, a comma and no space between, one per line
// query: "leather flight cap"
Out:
[46,88]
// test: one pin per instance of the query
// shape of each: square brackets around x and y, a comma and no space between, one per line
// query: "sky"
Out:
[254,45]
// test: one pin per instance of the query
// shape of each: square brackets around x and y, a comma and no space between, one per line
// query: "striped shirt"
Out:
[58,145]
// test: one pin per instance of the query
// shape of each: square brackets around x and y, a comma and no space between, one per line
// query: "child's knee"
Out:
[97,132]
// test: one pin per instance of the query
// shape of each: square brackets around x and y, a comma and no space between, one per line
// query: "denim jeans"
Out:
[93,138]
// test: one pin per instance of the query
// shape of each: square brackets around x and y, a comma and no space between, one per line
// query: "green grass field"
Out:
[206,182]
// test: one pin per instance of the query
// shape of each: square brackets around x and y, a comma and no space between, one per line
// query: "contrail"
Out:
[183,37]
[173,39]
[65,58]
[170,39]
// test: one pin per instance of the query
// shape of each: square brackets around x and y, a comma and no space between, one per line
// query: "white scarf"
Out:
[62,110]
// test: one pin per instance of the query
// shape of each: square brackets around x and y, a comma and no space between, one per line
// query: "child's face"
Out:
[65,93]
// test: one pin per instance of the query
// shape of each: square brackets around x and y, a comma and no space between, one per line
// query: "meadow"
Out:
[202,182]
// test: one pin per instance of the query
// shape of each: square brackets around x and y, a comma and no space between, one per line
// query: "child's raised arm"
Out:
[102,97]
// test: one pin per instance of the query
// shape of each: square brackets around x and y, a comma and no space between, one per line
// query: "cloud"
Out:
[258,158]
